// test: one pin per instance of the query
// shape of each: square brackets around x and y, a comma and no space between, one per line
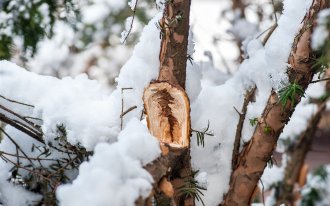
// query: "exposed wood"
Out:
[258,151]
[166,187]
[302,178]
[168,113]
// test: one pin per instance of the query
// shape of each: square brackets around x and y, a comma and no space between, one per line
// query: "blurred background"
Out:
[69,37]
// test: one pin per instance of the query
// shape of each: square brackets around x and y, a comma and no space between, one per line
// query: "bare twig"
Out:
[127,111]
[131,24]
[122,107]
[321,80]
[142,112]
[13,101]
[262,192]
[34,118]
[35,134]
[29,158]
[248,98]
[19,116]
[274,9]
[272,29]
[14,142]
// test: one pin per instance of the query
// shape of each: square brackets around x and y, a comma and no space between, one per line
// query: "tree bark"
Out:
[168,109]
[258,151]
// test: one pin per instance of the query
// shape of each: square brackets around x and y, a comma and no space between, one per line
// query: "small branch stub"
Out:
[168,113]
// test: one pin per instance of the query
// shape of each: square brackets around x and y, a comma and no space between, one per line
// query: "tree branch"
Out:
[256,153]
[248,98]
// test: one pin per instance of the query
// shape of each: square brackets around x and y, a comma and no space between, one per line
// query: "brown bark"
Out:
[168,109]
[238,136]
[258,151]
[173,52]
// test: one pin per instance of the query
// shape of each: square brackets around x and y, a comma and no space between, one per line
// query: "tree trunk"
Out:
[168,110]
[258,151]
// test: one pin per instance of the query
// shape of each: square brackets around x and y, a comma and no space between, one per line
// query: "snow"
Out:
[80,104]
[46,61]
[13,195]
[99,10]
[243,29]
[16,195]
[88,111]
[91,115]
[128,24]
[321,32]
[119,180]
[322,186]
[132,4]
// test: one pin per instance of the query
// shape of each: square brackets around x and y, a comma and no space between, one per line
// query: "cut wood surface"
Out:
[167,109]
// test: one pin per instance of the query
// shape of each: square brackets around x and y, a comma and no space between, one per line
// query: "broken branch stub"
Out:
[168,113]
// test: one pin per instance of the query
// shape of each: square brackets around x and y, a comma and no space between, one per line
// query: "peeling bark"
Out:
[254,156]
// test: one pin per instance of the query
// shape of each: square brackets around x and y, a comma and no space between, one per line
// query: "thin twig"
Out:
[263,32]
[22,167]
[274,11]
[37,135]
[320,80]
[248,98]
[14,142]
[19,116]
[34,118]
[272,29]
[142,112]
[122,106]
[131,24]
[29,158]
[13,101]
[263,192]
[127,111]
